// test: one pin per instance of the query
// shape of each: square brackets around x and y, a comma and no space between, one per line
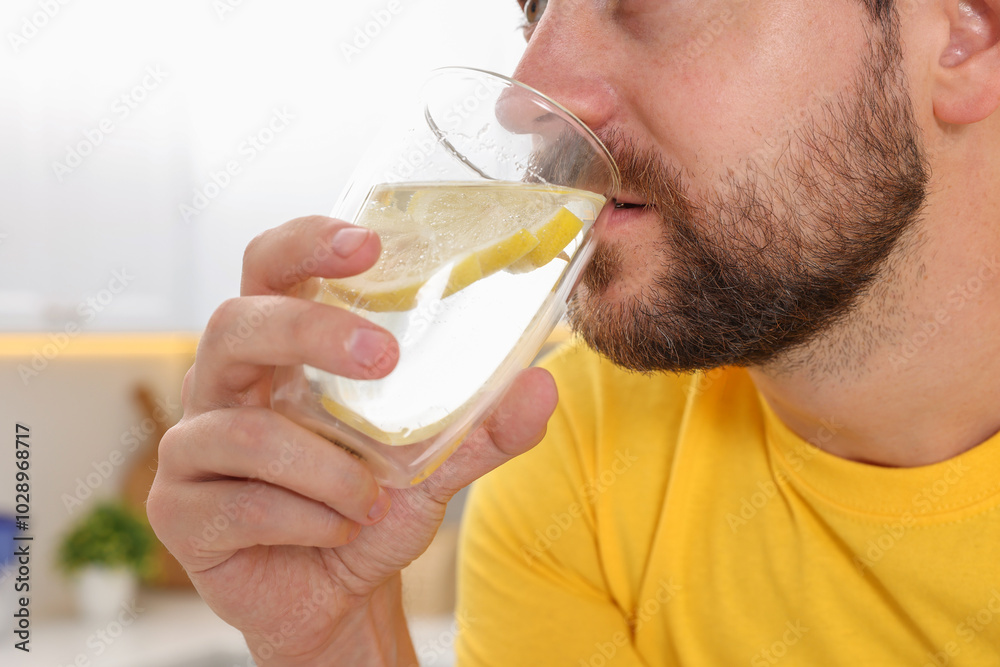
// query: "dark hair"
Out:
[880,10]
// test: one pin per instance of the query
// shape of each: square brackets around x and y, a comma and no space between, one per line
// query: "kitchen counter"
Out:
[161,630]
[176,630]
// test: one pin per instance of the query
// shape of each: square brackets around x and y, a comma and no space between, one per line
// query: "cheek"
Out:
[926,35]
[748,75]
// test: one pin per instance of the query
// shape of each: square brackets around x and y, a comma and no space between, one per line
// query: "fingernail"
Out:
[367,346]
[347,241]
[381,506]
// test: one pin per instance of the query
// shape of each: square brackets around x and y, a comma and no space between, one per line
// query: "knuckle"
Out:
[187,387]
[168,444]
[159,509]
[154,503]
[437,490]
[221,320]
[253,250]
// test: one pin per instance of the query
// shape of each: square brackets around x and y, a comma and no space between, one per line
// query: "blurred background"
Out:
[142,145]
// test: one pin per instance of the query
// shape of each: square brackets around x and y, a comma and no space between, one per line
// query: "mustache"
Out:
[647,176]
[569,159]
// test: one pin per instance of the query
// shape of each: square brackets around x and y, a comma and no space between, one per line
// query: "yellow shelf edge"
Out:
[124,344]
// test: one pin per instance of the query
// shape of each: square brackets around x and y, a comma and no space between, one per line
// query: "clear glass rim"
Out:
[616,180]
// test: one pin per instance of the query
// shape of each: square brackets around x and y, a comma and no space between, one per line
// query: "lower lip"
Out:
[616,219]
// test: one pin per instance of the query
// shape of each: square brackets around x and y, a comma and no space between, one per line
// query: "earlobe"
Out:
[968,87]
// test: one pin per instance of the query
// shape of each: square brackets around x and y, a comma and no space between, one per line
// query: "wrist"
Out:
[371,634]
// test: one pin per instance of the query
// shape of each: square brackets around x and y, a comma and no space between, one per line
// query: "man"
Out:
[810,209]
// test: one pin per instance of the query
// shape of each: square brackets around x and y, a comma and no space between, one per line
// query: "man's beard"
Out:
[775,256]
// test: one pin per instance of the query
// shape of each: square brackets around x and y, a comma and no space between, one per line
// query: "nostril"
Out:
[519,112]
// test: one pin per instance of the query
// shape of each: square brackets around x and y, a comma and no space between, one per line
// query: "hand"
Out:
[286,536]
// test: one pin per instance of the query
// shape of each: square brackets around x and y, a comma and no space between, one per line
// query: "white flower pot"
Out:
[101,591]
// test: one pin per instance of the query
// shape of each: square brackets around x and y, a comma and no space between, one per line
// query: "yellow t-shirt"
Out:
[674,520]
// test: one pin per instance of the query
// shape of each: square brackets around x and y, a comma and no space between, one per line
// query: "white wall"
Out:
[225,67]
[104,246]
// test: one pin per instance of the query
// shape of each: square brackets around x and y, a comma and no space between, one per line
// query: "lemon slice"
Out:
[445,237]
[553,236]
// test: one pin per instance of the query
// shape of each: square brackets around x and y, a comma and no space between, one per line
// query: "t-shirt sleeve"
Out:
[532,589]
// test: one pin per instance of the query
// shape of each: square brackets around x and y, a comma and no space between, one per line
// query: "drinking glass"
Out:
[483,199]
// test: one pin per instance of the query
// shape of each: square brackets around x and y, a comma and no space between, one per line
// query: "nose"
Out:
[567,59]
[562,153]
[520,112]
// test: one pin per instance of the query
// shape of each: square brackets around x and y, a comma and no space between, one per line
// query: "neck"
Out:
[912,376]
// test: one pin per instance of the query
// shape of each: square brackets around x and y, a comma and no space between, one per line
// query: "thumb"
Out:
[517,424]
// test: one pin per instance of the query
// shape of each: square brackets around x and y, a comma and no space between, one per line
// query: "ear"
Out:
[967,86]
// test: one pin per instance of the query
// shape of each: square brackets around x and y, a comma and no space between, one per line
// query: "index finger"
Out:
[286,256]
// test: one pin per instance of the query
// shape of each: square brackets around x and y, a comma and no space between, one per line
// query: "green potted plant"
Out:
[106,552]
